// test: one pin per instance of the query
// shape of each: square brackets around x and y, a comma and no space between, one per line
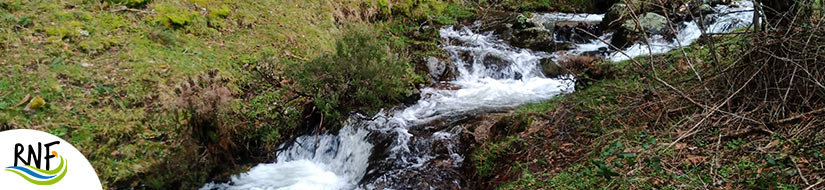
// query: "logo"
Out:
[32,159]
[36,174]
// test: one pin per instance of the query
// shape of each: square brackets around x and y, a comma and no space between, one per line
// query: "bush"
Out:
[361,74]
[205,99]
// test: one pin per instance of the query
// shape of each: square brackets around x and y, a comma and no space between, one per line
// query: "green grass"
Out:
[108,75]
[628,151]
[549,5]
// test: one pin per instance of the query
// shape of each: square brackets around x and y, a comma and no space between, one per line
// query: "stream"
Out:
[420,146]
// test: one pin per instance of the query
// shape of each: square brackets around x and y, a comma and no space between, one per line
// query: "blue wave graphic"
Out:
[30,172]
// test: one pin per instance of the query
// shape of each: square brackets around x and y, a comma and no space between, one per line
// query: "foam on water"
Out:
[727,18]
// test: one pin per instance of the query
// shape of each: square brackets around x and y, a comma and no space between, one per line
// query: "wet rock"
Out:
[494,61]
[523,30]
[717,2]
[614,16]
[704,9]
[651,22]
[496,64]
[440,70]
[630,30]
[535,38]
[550,68]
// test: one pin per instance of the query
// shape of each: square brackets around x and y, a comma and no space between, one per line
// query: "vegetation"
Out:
[151,89]
[692,119]
[148,90]
[361,74]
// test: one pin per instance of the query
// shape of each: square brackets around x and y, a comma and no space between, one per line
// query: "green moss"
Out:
[487,157]
[36,103]
[220,11]
[173,16]
[549,5]
[130,3]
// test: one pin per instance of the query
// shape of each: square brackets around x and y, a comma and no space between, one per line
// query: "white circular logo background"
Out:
[68,170]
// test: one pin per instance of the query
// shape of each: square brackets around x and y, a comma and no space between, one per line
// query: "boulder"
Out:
[614,16]
[651,23]
[703,9]
[523,30]
[717,2]
[535,38]
[439,70]
[535,32]
[550,68]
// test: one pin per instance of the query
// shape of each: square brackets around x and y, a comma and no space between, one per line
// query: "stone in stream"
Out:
[550,68]
[630,30]
[537,36]
[524,30]
[497,65]
[650,22]
[704,9]
[717,2]
[614,16]
[440,70]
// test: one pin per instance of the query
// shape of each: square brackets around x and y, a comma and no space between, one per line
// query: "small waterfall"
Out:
[418,146]
[726,19]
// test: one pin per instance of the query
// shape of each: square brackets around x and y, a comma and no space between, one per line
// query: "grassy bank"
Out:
[642,126]
[152,89]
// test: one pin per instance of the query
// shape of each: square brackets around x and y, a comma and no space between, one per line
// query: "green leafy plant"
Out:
[361,74]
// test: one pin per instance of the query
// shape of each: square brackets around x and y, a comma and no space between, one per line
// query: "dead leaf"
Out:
[679,146]
[696,160]
[770,145]
[534,127]
[24,100]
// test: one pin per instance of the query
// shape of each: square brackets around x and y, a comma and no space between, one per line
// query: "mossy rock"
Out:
[36,104]
[550,68]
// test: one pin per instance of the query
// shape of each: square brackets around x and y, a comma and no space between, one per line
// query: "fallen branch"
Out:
[800,116]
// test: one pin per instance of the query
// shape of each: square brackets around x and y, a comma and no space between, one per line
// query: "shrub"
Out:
[205,100]
[361,74]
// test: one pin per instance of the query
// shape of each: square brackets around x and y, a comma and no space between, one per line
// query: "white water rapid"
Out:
[410,147]
[726,19]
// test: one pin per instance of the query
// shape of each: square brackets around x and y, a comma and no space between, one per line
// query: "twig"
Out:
[714,108]
[131,10]
[716,159]
[800,172]
[814,185]
[781,121]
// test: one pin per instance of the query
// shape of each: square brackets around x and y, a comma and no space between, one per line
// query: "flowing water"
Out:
[726,19]
[419,146]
